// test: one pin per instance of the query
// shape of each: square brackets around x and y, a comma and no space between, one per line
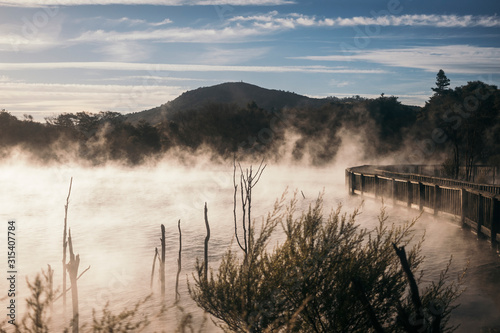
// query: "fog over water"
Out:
[115,214]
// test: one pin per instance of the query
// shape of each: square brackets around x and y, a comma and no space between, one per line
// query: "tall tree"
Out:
[480,112]
[442,83]
[467,117]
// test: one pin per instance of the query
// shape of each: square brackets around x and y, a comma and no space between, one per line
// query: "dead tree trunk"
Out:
[179,264]
[162,263]
[153,269]
[65,244]
[72,267]
[207,238]
[435,326]
[248,180]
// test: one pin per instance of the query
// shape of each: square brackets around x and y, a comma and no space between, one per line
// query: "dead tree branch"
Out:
[248,180]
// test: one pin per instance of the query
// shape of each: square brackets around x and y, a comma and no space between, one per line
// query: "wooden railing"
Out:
[393,171]
[487,174]
[477,205]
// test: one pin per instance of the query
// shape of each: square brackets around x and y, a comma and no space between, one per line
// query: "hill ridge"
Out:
[238,93]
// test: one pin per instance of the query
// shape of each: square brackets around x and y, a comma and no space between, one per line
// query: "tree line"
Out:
[462,124]
[222,129]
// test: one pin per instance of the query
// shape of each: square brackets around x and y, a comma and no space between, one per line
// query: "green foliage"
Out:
[392,120]
[468,118]
[239,292]
[327,276]
[442,83]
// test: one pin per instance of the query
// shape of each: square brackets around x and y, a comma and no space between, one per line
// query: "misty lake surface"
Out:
[115,215]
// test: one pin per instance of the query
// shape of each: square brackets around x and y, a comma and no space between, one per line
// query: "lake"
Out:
[115,215]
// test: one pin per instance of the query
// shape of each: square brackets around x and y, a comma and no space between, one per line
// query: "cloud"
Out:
[240,29]
[124,51]
[153,79]
[13,42]
[273,20]
[164,22]
[45,3]
[26,36]
[154,68]
[220,56]
[173,35]
[123,21]
[339,84]
[48,99]
[464,59]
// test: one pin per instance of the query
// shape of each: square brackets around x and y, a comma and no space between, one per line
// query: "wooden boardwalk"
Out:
[478,205]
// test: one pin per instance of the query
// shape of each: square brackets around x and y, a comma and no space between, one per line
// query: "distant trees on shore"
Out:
[465,121]
[462,123]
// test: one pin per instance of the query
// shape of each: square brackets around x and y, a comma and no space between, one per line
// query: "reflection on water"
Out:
[115,216]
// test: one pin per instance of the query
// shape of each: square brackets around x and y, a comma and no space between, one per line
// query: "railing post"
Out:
[480,213]
[393,191]
[437,199]
[409,193]
[347,180]
[494,219]
[352,183]
[421,195]
[362,177]
[463,197]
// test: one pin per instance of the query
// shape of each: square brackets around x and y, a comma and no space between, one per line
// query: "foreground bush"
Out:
[329,275]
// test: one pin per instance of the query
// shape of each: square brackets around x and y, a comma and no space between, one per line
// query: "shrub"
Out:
[328,275]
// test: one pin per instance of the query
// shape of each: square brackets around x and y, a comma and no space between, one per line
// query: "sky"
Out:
[127,56]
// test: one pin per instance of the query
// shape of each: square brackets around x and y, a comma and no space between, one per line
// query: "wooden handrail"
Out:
[477,207]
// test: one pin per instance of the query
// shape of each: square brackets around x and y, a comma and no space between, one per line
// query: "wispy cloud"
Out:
[464,59]
[38,3]
[124,51]
[240,29]
[229,56]
[273,20]
[172,35]
[164,22]
[13,42]
[123,21]
[27,37]
[339,84]
[48,99]
[154,68]
[153,79]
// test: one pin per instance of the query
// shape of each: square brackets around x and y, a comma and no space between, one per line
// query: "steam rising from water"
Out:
[115,214]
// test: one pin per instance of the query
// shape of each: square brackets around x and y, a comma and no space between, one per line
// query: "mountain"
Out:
[238,93]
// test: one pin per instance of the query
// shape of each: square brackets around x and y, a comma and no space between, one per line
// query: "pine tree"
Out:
[442,83]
